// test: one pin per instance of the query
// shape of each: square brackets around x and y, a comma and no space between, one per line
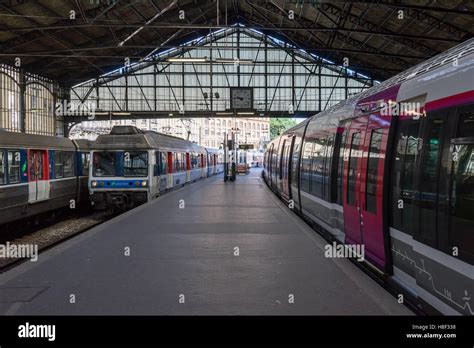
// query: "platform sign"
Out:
[246,146]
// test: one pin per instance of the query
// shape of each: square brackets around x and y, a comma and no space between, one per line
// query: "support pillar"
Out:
[22,103]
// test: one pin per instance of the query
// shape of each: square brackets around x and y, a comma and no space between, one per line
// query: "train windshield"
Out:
[104,164]
[135,163]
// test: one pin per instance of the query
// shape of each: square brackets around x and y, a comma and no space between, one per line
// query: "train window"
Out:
[58,165]
[177,162]
[429,180]
[372,170]
[2,168]
[86,162]
[104,164]
[13,167]
[319,150]
[180,162]
[294,161]
[352,170]
[36,165]
[327,168]
[68,164]
[402,177]
[462,199]
[282,158]
[157,167]
[184,164]
[340,167]
[466,125]
[195,160]
[135,163]
[306,167]
[164,164]
[286,159]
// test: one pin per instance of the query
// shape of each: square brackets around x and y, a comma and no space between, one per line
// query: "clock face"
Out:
[241,98]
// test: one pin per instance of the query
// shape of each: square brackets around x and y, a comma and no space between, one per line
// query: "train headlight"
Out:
[93,183]
[144,183]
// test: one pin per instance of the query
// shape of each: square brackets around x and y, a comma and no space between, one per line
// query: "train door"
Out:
[461,193]
[171,170]
[188,168]
[371,189]
[281,158]
[38,176]
[209,164]
[162,163]
[363,185]
[203,165]
[270,165]
[351,182]
[431,192]
[285,168]
[294,176]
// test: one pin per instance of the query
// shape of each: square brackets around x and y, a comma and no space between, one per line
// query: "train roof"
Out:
[132,138]
[345,108]
[83,144]
[213,151]
[34,141]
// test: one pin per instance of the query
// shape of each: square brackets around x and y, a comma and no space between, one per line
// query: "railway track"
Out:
[46,234]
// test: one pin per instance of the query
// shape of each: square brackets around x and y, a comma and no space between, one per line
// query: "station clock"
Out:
[241,98]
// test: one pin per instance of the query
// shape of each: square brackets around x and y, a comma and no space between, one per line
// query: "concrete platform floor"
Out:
[189,254]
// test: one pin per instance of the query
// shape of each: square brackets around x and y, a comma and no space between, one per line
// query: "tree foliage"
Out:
[279,125]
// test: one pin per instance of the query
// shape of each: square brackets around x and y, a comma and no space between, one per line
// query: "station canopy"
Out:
[378,38]
[187,59]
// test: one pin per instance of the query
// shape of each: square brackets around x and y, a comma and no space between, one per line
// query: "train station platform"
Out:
[183,260]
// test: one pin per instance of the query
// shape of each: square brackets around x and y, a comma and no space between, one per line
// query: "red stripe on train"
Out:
[457,99]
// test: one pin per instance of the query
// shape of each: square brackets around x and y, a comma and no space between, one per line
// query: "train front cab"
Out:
[120,179]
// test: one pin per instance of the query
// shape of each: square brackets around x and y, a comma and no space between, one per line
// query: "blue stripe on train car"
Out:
[120,184]
[52,173]
[24,165]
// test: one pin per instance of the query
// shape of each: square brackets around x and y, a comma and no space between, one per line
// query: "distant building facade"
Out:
[208,132]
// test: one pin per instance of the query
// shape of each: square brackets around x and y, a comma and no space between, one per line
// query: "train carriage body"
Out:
[40,173]
[215,161]
[392,169]
[131,167]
